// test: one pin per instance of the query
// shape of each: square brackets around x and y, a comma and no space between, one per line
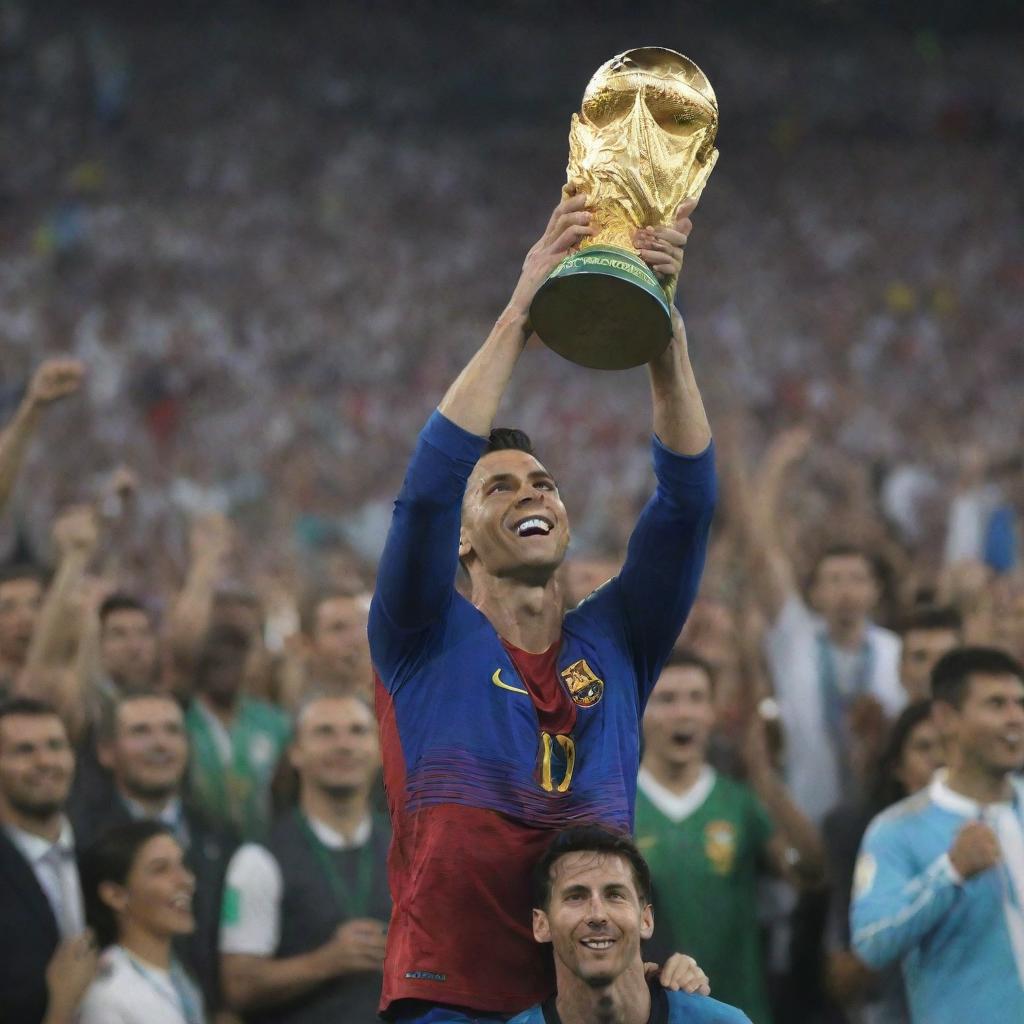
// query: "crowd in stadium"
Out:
[222,325]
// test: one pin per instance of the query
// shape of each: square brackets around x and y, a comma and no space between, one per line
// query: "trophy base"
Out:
[603,308]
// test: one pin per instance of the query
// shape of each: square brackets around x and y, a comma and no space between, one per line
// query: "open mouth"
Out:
[683,738]
[533,526]
[597,944]
[182,901]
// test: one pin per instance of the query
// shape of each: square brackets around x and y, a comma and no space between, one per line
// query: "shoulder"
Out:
[267,716]
[689,1008]
[534,1015]
[794,619]
[900,819]
[112,990]
[253,867]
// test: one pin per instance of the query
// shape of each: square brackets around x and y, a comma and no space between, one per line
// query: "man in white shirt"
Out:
[46,960]
[303,922]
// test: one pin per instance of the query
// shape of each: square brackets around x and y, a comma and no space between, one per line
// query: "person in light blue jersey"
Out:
[939,883]
[592,903]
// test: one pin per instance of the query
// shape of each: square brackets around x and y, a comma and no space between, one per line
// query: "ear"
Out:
[541,926]
[464,546]
[294,756]
[945,717]
[114,896]
[647,921]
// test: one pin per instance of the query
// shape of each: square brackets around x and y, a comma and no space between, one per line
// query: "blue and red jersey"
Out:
[489,750]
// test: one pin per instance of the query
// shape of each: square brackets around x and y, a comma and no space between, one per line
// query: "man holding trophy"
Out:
[502,718]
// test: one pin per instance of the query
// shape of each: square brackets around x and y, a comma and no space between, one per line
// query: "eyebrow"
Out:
[534,474]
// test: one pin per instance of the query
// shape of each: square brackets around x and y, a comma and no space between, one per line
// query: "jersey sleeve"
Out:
[250,922]
[895,904]
[416,573]
[665,557]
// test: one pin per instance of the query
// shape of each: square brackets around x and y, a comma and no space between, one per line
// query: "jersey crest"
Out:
[720,845]
[584,686]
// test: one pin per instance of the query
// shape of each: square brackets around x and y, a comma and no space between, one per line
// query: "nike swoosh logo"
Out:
[496,679]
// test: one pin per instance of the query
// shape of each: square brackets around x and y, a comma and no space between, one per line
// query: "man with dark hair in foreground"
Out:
[592,903]
[939,883]
[503,719]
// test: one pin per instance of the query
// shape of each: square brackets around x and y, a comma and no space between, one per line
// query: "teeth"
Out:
[183,901]
[533,524]
[597,943]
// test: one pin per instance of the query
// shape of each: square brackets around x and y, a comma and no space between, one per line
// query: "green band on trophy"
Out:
[603,308]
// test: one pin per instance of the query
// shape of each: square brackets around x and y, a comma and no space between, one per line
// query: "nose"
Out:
[596,912]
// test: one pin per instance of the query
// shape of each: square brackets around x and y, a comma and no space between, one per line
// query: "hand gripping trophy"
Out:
[643,142]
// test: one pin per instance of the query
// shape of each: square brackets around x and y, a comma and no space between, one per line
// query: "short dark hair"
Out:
[110,859]
[845,551]
[931,617]
[120,601]
[503,439]
[106,724]
[589,839]
[951,674]
[309,605]
[24,571]
[29,706]
[685,657]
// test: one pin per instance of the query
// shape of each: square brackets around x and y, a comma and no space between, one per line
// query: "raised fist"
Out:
[75,530]
[975,849]
[55,379]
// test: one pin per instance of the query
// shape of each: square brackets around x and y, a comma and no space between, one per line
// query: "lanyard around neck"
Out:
[350,904]
[178,995]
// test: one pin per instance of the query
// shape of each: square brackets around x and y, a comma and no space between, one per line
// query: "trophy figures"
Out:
[643,142]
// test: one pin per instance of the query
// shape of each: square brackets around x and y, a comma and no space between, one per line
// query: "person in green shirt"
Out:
[236,741]
[707,838]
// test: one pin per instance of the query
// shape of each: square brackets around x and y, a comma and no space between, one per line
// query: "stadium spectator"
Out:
[128,644]
[46,958]
[144,746]
[235,740]
[939,881]
[926,634]
[707,838]
[21,596]
[592,903]
[138,898]
[304,918]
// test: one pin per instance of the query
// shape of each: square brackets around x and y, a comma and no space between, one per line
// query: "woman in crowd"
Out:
[138,898]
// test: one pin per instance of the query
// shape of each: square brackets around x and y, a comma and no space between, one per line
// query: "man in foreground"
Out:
[593,905]
[502,718]
[939,884]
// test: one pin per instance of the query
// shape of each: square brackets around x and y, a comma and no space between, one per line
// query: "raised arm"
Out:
[472,401]
[54,379]
[417,568]
[757,519]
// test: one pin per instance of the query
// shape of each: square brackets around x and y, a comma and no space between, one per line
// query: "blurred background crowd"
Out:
[247,245]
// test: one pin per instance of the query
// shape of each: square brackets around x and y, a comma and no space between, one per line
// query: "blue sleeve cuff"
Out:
[451,440]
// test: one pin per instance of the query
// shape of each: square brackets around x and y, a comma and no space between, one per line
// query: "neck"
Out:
[154,806]
[976,782]
[47,828]
[144,945]
[627,1000]
[343,813]
[675,777]
[223,711]
[848,635]
[528,616]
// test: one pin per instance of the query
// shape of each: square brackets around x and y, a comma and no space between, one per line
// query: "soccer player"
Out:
[503,719]
[939,884]
[593,905]
[707,838]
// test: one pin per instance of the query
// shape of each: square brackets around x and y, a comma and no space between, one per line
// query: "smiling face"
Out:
[987,730]
[922,754]
[36,765]
[513,521]
[595,918]
[679,718]
[336,747]
[156,897]
[149,750]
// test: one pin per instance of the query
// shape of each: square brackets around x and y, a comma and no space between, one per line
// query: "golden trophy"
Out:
[643,142]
